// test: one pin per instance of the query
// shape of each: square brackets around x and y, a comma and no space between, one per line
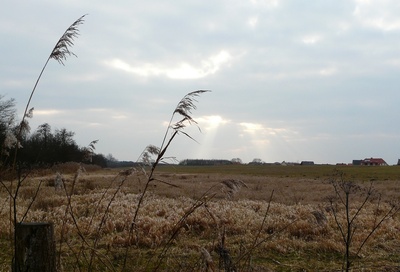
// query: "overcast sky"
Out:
[290,80]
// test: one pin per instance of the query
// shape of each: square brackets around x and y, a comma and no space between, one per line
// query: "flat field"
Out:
[214,218]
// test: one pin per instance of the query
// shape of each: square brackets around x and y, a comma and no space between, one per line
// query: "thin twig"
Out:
[253,246]
[32,201]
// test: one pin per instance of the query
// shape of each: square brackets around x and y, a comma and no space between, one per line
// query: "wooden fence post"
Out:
[34,248]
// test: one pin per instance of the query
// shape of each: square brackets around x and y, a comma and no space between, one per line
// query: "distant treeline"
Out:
[118,164]
[42,148]
[45,147]
[198,162]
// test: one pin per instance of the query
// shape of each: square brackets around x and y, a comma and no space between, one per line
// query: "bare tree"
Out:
[347,204]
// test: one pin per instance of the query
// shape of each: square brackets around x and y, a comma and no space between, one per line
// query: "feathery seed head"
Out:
[62,48]
[150,150]
[184,108]
[187,104]
[232,186]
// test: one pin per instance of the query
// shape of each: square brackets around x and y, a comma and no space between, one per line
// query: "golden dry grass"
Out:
[291,236]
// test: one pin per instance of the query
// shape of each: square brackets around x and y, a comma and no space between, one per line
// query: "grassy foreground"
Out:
[277,218]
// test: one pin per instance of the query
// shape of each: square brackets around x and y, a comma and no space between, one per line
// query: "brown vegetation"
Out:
[230,219]
[295,231]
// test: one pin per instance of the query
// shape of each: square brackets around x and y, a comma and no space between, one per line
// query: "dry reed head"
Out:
[207,259]
[58,182]
[10,142]
[320,218]
[61,49]
[185,107]
[148,153]
[187,104]
[232,186]
[89,151]
[127,172]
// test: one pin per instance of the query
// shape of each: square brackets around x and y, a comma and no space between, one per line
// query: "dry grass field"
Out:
[225,218]
[221,218]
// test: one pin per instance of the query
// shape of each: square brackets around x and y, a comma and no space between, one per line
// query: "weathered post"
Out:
[34,248]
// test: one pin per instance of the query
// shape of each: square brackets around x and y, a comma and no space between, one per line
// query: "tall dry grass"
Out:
[287,234]
[87,247]
[17,174]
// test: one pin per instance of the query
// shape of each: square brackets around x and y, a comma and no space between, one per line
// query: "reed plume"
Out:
[184,109]
[60,53]
[232,186]
[62,49]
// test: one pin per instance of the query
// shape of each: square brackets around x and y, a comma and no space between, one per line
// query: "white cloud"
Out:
[251,128]
[253,21]
[393,62]
[15,83]
[311,39]
[95,124]
[268,3]
[184,70]
[87,116]
[260,130]
[327,71]
[119,116]
[382,14]
[47,112]
[85,77]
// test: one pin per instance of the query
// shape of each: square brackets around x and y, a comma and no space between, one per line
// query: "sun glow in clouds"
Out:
[211,122]
[251,128]
[182,71]
[210,126]
[258,133]
[254,136]
[262,140]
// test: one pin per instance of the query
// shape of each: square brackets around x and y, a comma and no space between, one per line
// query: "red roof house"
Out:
[374,162]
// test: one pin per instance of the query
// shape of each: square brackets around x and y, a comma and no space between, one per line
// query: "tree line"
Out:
[44,147]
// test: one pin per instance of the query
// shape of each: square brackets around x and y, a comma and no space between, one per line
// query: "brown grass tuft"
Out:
[232,186]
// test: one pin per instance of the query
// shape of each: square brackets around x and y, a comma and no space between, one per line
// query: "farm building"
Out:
[357,162]
[374,162]
[307,163]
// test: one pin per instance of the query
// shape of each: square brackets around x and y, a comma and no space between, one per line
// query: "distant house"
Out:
[374,162]
[307,163]
[284,163]
[357,162]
